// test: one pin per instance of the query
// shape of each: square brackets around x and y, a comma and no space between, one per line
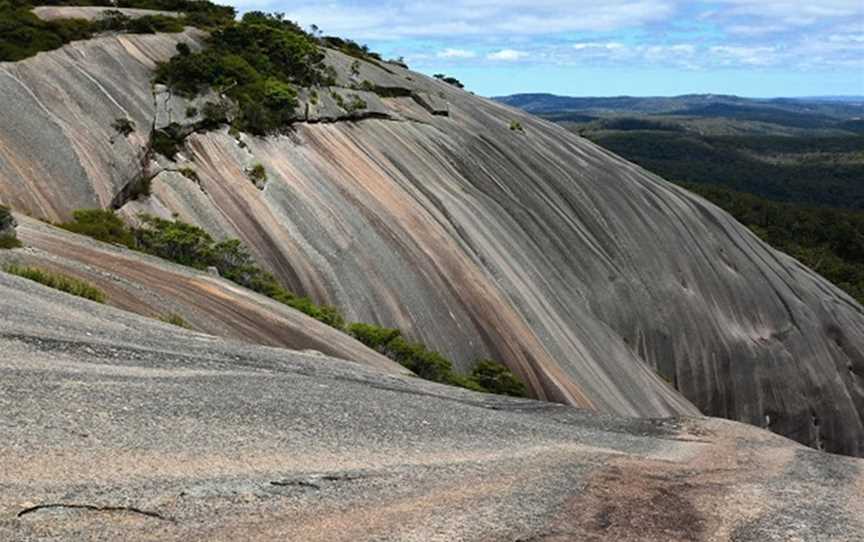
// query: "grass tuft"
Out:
[58,282]
[9,242]
[174,319]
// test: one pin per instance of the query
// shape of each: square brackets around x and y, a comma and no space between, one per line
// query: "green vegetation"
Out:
[256,62]
[353,49]
[6,218]
[190,174]
[258,176]
[189,245]
[168,141]
[488,376]
[58,282]
[635,123]
[449,80]
[23,34]
[516,126]
[414,356]
[116,21]
[809,152]
[338,99]
[497,378]
[102,225]
[216,114]
[7,223]
[354,104]
[807,113]
[771,115]
[8,242]
[140,189]
[123,126]
[829,241]
[811,170]
[174,319]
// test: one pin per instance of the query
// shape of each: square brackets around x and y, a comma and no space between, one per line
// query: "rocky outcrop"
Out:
[157,289]
[433,104]
[61,151]
[600,284]
[118,427]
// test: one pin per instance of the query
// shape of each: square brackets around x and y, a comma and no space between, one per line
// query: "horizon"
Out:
[718,94]
[641,48]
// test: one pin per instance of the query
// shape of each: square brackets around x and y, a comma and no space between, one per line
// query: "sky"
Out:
[755,48]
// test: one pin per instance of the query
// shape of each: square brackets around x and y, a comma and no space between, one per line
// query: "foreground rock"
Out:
[118,427]
[592,279]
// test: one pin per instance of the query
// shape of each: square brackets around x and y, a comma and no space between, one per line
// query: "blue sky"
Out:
[756,48]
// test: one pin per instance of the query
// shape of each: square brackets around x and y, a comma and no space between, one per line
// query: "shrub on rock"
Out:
[8,238]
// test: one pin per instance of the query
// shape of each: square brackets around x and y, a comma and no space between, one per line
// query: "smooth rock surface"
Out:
[59,149]
[584,273]
[118,427]
[155,288]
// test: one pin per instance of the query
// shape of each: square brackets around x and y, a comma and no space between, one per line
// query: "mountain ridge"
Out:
[544,103]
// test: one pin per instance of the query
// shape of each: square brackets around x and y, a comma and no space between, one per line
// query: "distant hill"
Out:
[819,111]
[798,150]
[543,103]
[846,99]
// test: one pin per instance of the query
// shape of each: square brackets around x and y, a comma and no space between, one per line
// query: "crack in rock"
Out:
[314,481]
[297,483]
[94,508]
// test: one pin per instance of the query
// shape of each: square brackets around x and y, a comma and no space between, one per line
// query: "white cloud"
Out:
[846,38]
[611,46]
[753,56]
[756,30]
[679,54]
[456,53]
[792,34]
[789,12]
[394,19]
[507,55]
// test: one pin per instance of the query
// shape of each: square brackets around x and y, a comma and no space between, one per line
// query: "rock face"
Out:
[591,278]
[118,427]
[157,289]
[63,153]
